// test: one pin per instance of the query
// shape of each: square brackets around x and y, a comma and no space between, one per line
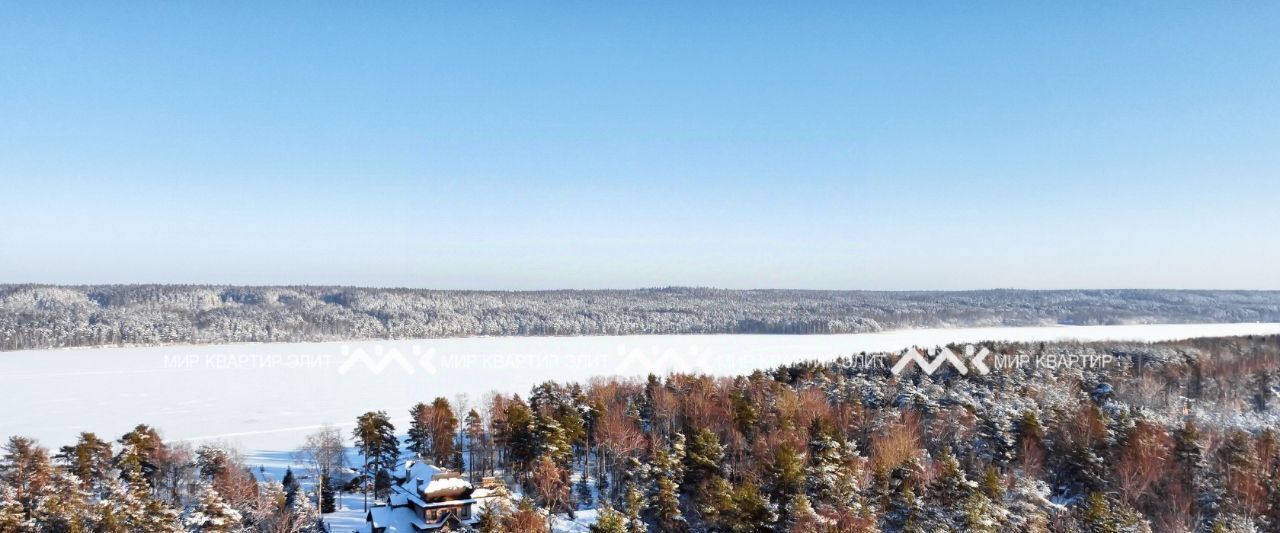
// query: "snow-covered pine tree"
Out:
[493,516]
[213,515]
[127,506]
[1101,514]
[801,518]
[665,504]
[305,518]
[64,506]
[609,521]
[830,473]
[905,510]
[785,474]
[419,432]
[269,507]
[1193,472]
[1237,461]
[1028,504]
[89,459]
[328,500]
[290,486]
[375,437]
[140,451]
[13,519]
[212,461]
[948,494]
[24,467]
[635,507]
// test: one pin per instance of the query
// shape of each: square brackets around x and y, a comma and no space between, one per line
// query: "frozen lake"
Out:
[265,397]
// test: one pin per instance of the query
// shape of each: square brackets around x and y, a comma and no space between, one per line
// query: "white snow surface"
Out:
[265,397]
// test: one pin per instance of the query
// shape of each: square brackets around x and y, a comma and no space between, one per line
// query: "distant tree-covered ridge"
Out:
[44,316]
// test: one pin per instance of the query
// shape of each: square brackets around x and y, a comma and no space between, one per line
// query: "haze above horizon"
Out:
[591,145]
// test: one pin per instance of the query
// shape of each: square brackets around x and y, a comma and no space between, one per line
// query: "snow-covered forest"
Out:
[1173,436]
[38,316]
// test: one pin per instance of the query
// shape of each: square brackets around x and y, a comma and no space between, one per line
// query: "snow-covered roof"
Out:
[396,520]
[421,483]
[445,487]
[420,486]
[380,516]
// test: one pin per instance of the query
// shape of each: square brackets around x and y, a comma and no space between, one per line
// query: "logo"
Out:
[944,355]
[658,360]
[383,358]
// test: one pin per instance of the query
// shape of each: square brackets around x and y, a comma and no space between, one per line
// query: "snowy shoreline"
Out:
[266,396]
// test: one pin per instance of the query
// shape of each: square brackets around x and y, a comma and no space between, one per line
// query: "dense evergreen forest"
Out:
[37,316]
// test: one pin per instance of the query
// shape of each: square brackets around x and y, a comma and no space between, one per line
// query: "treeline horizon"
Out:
[55,316]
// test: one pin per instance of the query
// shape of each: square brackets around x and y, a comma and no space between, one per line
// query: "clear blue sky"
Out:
[524,145]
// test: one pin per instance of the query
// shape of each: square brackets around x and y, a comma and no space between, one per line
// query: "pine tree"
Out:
[751,510]
[431,431]
[13,519]
[991,485]
[1238,463]
[704,458]
[950,486]
[996,438]
[269,512]
[304,516]
[1097,516]
[905,509]
[521,436]
[785,475]
[328,501]
[116,506]
[140,451]
[493,517]
[1192,471]
[1030,442]
[418,438]
[128,506]
[1028,505]
[64,507]
[25,468]
[979,513]
[715,501]
[666,506]
[375,437]
[291,487]
[951,496]
[801,518]
[89,459]
[212,515]
[635,508]
[1087,467]
[553,441]
[830,472]
[475,438]
[213,462]
[609,521]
